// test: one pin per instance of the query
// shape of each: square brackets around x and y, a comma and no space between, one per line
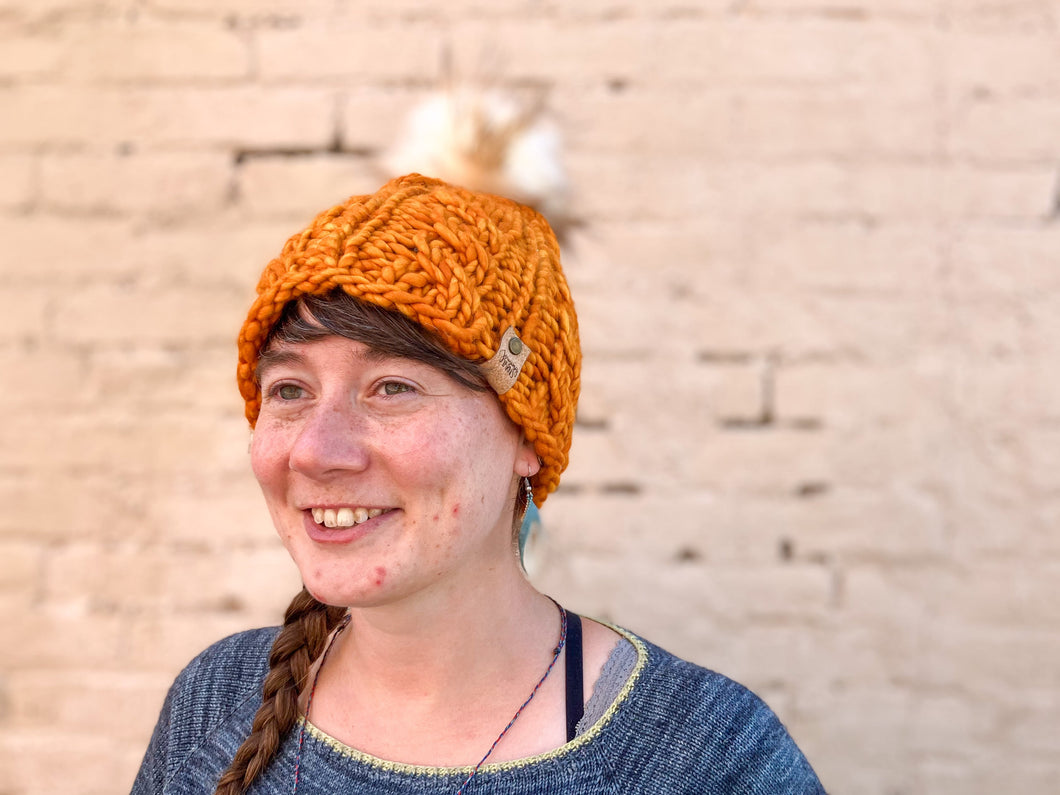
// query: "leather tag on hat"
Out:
[502,371]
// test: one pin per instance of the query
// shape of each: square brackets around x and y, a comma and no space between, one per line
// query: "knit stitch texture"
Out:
[676,728]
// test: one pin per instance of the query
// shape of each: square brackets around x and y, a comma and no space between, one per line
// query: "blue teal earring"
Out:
[531,524]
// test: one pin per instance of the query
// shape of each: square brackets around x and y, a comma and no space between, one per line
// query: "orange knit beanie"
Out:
[467,266]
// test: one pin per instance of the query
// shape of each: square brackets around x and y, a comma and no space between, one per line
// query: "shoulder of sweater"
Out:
[717,724]
[237,659]
[221,678]
[667,674]
[221,685]
[707,697]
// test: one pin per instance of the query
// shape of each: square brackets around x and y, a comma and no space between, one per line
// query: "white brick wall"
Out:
[815,264]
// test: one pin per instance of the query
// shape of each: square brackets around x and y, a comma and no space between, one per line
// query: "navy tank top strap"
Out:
[575,694]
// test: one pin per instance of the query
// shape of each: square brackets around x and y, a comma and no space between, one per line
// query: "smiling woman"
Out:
[414,471]
[411,369]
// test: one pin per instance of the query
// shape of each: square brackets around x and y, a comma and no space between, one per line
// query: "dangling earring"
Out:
[529,523]
[528,489]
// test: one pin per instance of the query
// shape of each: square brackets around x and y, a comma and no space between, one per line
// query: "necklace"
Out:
[345,623]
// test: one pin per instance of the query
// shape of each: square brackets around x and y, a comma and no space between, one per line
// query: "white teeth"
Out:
[344,517]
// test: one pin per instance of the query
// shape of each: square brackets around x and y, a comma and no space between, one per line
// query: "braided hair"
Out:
[306,627]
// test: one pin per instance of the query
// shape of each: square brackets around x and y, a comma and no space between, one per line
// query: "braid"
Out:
[306,626]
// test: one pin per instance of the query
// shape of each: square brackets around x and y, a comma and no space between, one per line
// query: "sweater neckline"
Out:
[581,740]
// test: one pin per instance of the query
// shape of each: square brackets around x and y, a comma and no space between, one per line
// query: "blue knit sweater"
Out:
[674,728]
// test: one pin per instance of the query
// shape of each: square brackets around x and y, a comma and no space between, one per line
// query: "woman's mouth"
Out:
[345,517]
[341,525]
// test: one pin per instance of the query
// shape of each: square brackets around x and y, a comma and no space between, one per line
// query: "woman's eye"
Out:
[395,388]
[289,392]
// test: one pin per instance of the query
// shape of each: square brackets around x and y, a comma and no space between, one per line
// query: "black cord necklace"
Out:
[345,623]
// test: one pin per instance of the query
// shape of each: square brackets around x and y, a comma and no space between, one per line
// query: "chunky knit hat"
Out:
[479,271]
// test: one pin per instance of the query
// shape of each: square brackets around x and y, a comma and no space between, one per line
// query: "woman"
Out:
[410,367]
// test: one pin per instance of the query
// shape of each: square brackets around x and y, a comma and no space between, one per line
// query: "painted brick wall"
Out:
[816,263]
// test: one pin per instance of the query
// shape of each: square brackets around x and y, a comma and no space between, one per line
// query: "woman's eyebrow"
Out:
[372,355]
[273,358]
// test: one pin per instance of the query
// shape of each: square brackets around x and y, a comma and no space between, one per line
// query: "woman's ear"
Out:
[527,464]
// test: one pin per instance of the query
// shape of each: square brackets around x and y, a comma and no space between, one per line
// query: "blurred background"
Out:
[814,248]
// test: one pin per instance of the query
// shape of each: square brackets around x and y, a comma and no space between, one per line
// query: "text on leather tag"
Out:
[502,371]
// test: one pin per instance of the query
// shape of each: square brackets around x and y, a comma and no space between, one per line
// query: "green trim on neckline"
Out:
[497,767]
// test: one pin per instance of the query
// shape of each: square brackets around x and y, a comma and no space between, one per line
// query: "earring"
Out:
[529,522]
[528,487]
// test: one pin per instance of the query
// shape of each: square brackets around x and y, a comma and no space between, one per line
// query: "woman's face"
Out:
[383,476]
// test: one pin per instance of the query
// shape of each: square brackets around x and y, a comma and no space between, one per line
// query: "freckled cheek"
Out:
[399,438]
[268,458]
[289,537]
[431,443]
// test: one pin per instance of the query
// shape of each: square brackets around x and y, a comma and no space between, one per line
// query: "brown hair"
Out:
[313,317]
[304,636]
[308,623]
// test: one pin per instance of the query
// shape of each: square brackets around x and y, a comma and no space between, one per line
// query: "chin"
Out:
[325,596]
[368,592]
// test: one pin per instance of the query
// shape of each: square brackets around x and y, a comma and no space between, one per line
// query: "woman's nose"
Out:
[331,439]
